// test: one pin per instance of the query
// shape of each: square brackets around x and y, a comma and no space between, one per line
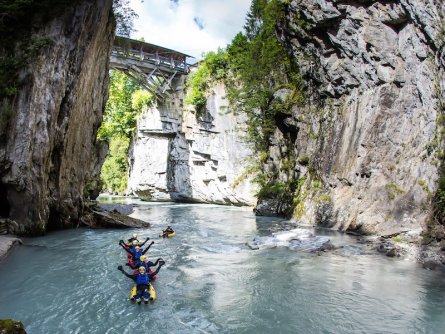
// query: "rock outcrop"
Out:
[7,243]
[368,140]
[297,240]
[9,326]
[184,157]
[49,153]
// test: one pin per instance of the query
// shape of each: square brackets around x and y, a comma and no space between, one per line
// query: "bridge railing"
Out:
[151,58]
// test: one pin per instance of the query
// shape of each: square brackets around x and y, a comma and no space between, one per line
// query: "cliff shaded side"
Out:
[368,141]
[48,149]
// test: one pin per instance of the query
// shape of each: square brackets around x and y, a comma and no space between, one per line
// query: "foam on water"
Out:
[67,282]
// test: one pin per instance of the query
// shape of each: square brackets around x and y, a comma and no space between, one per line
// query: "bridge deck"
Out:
[153,66]
[147,56]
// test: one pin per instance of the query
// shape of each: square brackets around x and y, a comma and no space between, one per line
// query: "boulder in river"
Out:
[103,219]
[9,326]
[297,239]
[7,242]
[389,248]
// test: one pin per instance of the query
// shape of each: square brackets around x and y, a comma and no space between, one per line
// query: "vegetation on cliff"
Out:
[125,102]
[214,67]
[255,68]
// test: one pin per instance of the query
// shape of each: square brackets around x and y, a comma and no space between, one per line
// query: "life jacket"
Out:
[143,279]
[137,255]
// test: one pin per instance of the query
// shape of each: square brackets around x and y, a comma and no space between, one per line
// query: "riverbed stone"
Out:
[103,219]
[10,326]
[296,239]
[7,243]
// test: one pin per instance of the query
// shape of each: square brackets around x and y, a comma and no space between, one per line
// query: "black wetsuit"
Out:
[136,255]
[142,281]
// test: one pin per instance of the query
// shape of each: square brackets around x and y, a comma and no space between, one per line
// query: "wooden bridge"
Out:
[152,66]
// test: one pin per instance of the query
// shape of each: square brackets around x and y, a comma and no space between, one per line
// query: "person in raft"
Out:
[131,246]
[132,249]
[144,262]
[138,251]
[167,231]
[142,280]
[133,238]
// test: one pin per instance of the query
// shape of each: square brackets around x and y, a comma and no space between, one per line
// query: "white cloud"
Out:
[174,24]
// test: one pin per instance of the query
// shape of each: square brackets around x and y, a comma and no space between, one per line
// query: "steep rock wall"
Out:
[368,136]
[181,157]
[50,151]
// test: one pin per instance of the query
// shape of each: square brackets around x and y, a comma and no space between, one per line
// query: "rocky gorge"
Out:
[360,151]
[371,134]
[365,147]
[368,143]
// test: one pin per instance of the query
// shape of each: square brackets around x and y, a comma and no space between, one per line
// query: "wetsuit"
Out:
[146,265]
[167,231]
[142,281]
[136,255]
[130,245]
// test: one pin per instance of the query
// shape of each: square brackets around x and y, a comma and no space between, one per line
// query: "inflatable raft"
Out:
[151,290]
[168,235]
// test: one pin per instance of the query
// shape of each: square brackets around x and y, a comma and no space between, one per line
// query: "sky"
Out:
[189,26]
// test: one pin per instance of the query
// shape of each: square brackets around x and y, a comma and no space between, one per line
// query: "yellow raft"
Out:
[168,235]
[151,290]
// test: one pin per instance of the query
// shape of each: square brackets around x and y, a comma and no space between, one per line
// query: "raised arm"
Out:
[161,263]
[128,251]
[144,242]
[146,249]
[133,277]
[151,264]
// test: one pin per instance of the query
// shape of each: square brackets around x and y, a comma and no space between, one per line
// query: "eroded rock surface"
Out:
[296,239]
[10,326]
[367,140]
[183,157]
[7,243]
[49,153]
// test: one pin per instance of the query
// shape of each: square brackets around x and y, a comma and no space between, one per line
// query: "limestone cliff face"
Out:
[50,151]
[367,141]
[181,157]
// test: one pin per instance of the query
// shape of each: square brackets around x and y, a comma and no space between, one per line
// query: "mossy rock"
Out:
[9,326]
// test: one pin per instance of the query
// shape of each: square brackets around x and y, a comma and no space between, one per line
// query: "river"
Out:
[67,281]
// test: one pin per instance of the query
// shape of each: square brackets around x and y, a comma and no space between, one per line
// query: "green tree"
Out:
[213,67]
[126,100]
[260,66]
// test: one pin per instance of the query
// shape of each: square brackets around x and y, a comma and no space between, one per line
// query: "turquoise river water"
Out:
[67,282]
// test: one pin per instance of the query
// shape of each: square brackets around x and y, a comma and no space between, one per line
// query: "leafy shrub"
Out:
[126,101]
[212,68]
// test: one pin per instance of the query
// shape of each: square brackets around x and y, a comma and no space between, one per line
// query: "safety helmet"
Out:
[142,269]
[137,247]
[143,257]
[135,235]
